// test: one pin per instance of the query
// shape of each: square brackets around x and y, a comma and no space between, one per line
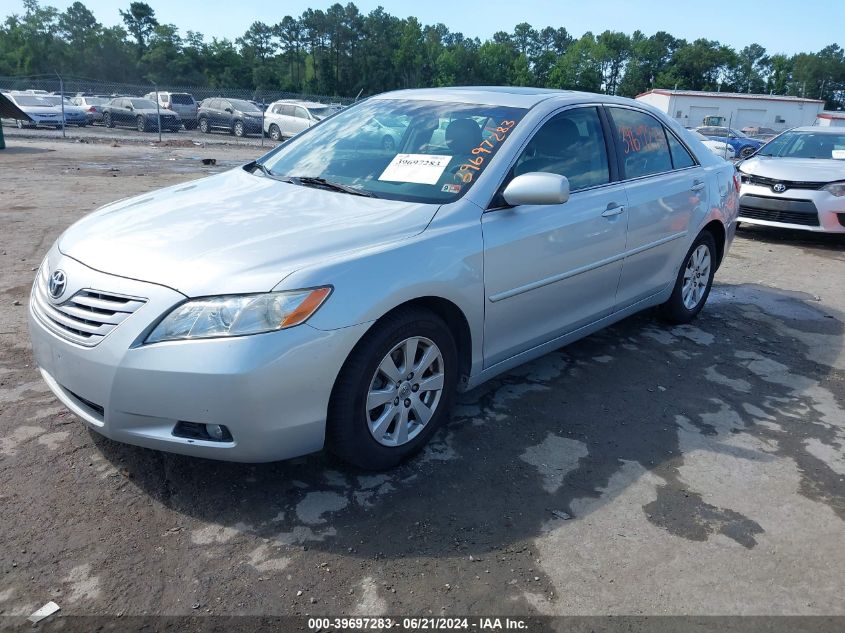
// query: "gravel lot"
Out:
[701,468]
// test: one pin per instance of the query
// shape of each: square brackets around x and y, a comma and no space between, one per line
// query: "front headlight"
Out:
[237,315]
[835,188]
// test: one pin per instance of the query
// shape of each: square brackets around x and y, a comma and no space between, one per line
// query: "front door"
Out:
[551,269]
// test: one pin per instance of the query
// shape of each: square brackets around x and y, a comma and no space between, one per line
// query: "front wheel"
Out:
[141,124]
[692,286]
[275,132]
[745,152]
[394,390]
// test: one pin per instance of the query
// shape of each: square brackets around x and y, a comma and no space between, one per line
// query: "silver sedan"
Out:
[334,293]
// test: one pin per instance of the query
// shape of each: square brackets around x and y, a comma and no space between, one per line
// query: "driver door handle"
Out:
[697,185]
[612,210]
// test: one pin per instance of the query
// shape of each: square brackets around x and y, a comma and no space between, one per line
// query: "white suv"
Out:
[289,117]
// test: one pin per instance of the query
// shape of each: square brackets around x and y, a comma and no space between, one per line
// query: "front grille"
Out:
[85,318]
[789,184]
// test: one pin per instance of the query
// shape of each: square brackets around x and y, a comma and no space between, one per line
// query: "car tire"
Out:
[107,120]
[141,124]
[353,425]
[388,144]
[275,132]
[693,283]
[238,129]
[746,151]
[203,125]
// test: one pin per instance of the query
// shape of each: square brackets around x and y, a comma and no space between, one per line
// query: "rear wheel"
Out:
[394,391]
[238,128]
[107,121]
[204,128]
[692,286]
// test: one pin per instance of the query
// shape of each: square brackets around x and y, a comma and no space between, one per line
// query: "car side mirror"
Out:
[229,110]
[537,187]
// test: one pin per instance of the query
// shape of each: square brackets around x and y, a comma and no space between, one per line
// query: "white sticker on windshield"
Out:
[838,154]
[424,169]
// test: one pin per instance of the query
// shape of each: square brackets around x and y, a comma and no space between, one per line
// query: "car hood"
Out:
[234,232]
[795,169]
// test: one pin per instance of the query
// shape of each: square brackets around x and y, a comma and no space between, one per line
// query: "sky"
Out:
[780,26]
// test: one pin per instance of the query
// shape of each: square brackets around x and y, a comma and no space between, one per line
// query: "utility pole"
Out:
[158,113]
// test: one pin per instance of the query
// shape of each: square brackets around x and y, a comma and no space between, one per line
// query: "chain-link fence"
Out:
[89,108]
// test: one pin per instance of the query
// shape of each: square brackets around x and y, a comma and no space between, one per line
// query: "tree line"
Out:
[341,51]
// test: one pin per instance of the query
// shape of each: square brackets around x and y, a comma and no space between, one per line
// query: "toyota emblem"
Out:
[779,188]
[58,283]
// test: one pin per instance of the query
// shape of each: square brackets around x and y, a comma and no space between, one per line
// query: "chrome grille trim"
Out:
[86,317]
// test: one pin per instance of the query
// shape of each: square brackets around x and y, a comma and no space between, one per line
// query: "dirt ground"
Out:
[645,470]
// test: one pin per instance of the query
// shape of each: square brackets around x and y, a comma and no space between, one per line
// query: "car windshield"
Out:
[31,100]
[244,106]
[96,100]
[54,100]
[143,104]
[322,113]
[181,99]
[805,145]
[435,157]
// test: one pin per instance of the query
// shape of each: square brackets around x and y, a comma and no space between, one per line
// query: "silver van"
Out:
[182,103]
[289,117]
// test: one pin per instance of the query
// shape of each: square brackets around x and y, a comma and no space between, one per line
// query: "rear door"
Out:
[120,112]
[550,269]
[665,187]
[301,120]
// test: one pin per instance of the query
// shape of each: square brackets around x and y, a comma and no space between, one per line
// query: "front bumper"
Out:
[270,390]
[801,209]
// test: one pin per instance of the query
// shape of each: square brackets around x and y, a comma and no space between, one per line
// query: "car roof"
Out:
[301,102]
[510,96]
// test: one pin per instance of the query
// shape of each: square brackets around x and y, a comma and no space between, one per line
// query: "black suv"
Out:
[141,114]
[236,116]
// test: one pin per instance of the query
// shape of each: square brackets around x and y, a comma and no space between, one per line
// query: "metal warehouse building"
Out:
[690,107]
[831,119]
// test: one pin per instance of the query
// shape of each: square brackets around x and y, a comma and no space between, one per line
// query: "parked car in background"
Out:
[142,114]
[289,117]
[330,295]
[41,111]
[797,181]
[764,134]
[720,148]
[236,116]
[93,106]
[743,145]
[182,103]
[74,115]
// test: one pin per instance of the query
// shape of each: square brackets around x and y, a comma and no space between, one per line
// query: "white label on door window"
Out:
[424,169]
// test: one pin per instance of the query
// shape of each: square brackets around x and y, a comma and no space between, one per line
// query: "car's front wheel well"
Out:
[717,230]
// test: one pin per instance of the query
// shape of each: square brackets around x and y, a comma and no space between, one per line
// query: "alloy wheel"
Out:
[405,391]
[696,277]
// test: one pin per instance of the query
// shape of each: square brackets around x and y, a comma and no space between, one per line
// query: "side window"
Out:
[223,104]
[571,144]
[300,113]
[287,110]
[641,143]
[681,158]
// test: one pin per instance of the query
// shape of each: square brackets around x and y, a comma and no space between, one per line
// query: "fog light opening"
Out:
[199,431]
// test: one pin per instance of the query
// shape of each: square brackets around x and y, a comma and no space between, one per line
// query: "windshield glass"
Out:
[322,113]
[804,145]
[434,154]
[182,99]
[244,106]
[30,100]
[143,104]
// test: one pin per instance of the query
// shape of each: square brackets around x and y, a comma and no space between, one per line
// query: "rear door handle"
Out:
[697,185]
[612,210]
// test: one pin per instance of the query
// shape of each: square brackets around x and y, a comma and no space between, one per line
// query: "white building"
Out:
[830,118]
[689,107]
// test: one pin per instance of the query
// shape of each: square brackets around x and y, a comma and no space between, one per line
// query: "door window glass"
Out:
[680,156]
[641,143]
[572,145]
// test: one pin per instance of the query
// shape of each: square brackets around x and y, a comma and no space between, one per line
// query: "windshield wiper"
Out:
[313,181]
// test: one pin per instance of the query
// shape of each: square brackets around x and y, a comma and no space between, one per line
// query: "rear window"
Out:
[642,143]
[143,104]
[181,99]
